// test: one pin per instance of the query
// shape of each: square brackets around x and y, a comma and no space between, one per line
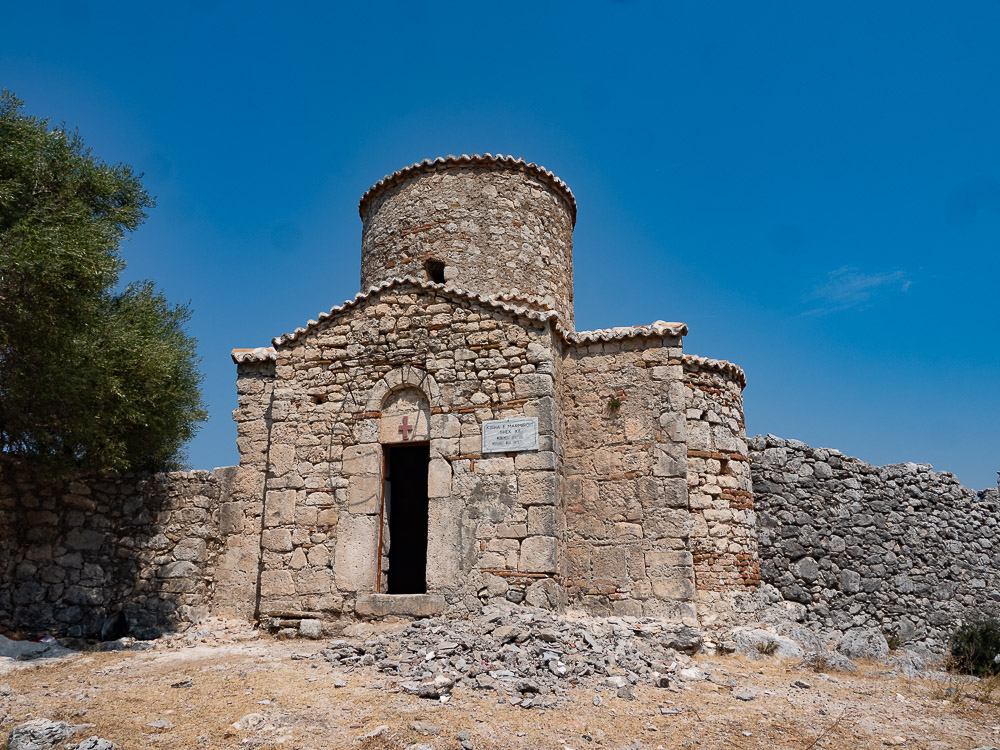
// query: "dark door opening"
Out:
[406,507]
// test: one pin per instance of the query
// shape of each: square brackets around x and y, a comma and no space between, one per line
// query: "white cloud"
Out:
[849,287]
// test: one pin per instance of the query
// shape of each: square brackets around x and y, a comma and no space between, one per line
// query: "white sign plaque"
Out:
[504,435]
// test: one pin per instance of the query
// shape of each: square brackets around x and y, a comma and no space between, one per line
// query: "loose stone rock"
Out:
[250,722]
[692,674]
[627,692]
[422,727]
[311,629]
[376,732]
[39,734]
[908,663]
[96,743]
[687,640]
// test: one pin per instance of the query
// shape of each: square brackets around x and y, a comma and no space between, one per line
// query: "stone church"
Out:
[448,438]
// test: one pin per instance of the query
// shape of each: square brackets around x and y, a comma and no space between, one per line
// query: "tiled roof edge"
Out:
[258,354]
[719,365]
[657,328]
[423,285]
[522,298]
[446,162]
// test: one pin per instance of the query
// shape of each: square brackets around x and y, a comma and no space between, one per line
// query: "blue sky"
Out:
[814,188]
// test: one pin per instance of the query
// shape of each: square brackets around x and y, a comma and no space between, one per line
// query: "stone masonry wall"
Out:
[723,537]
[338,393]
[900,547]
[627,519]
[73,553]
[242,555]
[499,228]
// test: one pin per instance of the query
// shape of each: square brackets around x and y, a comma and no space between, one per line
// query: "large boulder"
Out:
[27,650]
[685,639]
[828,661]
[908,663]
[808,639]
[864,644]
[758,643]
[39,734]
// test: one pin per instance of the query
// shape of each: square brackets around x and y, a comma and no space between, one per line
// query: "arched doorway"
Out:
[405,440]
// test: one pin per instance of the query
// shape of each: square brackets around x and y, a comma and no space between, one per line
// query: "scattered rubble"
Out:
[521,657]
[528,656]
[531,657]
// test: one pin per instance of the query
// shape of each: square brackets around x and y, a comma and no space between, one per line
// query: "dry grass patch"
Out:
[122,693]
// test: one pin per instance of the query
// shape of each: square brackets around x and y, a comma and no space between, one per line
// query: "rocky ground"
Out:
[505,679]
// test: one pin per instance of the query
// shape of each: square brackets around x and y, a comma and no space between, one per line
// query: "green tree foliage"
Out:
[92,378]
[975,647]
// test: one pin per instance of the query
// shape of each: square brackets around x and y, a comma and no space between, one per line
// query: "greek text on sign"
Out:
[519,434]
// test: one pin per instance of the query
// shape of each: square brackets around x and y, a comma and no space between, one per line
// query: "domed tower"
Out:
[492,225]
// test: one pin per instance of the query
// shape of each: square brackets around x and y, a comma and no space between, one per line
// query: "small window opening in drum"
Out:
[435,271]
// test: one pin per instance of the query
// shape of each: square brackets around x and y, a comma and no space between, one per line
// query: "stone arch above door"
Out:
[406,415]
[400,378]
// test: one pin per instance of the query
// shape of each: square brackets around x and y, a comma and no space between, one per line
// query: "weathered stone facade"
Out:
[368,485]
[495,225]
[467,318]
[627,523]
[158,548]
[724,525]
[900,547]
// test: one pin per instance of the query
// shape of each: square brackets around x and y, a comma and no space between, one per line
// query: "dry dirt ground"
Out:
[196,688]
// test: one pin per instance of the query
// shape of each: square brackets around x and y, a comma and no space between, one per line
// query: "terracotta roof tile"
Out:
[258,354]
[719,365]
[430,286]
[446,162]
[657,329]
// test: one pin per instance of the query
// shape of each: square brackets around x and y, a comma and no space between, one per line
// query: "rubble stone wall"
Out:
[899,547]
[73,553]
[338,394]
[724,524]
[627,518]
[498,227]
[244,517]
